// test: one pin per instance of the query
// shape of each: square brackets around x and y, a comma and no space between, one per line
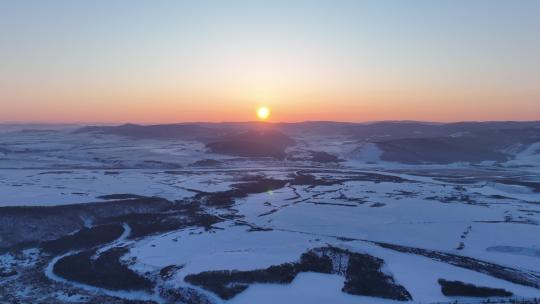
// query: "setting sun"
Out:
[263,113]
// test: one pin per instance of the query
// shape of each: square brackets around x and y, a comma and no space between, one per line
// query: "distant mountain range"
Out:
[400,141]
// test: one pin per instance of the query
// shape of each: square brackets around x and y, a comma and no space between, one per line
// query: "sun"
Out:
[263,113]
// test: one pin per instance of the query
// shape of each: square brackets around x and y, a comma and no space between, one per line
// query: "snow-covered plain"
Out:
[322,216]
[457,209]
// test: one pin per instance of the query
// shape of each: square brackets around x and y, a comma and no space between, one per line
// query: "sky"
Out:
[182,61]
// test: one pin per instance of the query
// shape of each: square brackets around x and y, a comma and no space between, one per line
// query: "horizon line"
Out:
[88,123]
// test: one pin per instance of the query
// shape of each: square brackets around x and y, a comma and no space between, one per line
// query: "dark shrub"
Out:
[460,289]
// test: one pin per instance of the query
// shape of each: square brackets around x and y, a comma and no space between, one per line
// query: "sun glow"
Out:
[263,113]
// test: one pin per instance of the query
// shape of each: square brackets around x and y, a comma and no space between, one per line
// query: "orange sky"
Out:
[337,60]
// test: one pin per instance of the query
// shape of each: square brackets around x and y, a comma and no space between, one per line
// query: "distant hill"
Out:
[469,145]
[169,131]
[399,141]
[258,143]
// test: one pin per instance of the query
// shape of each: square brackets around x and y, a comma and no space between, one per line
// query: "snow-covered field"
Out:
[362,205]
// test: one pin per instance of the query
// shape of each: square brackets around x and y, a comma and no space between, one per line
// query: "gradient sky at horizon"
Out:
[357,60]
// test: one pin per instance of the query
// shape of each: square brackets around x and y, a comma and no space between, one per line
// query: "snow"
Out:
[419,275]
[485,238]
[424,211]
[307,287]
[529,157]
[300,222]
[232,248]
[369,152]
[46,187]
